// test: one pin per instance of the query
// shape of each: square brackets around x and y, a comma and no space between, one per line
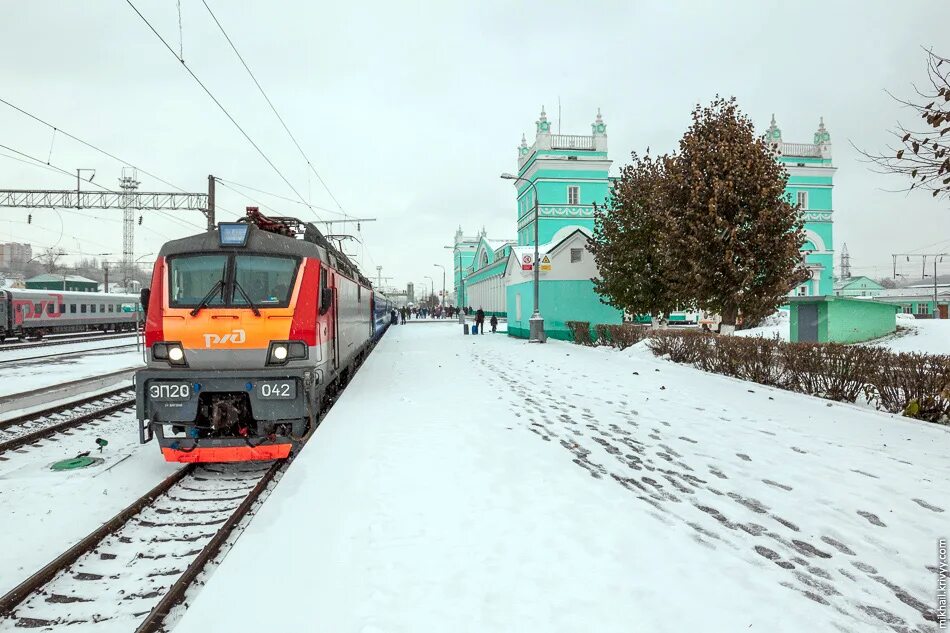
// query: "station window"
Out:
[803,199]
[802,291]
[923,308]
[573,195]
[576,255]
[907,310]
[72,308]
[82,308]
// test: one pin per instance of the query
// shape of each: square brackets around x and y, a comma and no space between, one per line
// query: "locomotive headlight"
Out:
[282,351]
[171,352]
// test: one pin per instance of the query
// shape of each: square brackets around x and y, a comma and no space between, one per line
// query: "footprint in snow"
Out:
[872,518]
[744,457]
[924,504]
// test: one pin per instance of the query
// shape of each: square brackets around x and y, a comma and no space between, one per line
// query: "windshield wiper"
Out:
[246,298]
[204,302]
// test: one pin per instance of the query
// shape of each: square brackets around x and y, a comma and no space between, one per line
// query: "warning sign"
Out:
[545,263]
[526,262]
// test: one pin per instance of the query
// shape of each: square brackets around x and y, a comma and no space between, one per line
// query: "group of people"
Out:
[407,313]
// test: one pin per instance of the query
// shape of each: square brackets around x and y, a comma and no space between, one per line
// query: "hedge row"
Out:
[620,336]
[915,385]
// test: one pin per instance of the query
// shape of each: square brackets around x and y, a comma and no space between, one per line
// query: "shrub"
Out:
[746,358]
[681,347]
[916,385]
[580,330]
[621,336]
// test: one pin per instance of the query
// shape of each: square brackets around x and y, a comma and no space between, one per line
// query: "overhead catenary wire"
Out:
[217,102]
[39,163]
[118,159]
[273,108]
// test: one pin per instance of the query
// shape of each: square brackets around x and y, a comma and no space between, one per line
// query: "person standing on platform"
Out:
[494,323]
[480,320]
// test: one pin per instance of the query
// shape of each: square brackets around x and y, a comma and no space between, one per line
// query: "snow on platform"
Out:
[487,484]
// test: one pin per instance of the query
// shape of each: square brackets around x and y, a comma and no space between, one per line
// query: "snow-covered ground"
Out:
[27,375]
[488,484]
[47,351]
[45,512]
[928,336]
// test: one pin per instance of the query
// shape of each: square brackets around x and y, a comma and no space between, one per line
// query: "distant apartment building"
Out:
[13,254]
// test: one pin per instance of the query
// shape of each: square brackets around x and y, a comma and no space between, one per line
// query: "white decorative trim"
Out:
[817,216]
[795,170]
[815,239]
[587,164]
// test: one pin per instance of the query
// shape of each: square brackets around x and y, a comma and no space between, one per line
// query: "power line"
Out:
[40,163]
[105,153]
[273,109]
[225,182]
[217,103]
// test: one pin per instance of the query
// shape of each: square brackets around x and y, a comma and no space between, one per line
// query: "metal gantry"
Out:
[129,199]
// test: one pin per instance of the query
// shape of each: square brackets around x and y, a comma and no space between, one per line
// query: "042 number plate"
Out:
[277,390]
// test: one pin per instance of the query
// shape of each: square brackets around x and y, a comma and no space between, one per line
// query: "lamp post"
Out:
[443,283]
[536,322]
[460,289]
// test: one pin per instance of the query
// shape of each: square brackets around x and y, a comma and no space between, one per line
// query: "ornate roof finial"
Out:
[523,148]
[822,136]
[774,133]
[542,123]
[598,126]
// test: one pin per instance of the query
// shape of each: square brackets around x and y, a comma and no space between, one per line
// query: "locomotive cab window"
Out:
[192,277]
[265,280]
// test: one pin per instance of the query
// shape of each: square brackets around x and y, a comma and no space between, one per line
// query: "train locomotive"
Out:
[36,313]
[249,328]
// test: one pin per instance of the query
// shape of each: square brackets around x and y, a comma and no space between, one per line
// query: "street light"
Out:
[460,289]
[443,283]
[536,323]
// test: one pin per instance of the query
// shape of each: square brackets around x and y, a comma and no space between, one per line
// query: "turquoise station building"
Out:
[810,184]
[569,173]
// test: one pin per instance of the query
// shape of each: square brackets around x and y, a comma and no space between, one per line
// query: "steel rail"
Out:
[59,427]
[19,593]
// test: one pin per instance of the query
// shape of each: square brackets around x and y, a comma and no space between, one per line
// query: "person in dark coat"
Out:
[494,323]
[393,319]
[480,320]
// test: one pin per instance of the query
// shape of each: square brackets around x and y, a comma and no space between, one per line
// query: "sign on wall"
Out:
[526,260]
[545,263]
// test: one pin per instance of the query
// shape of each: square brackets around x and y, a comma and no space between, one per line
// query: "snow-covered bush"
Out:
[621,336]
[681,346]
[917,385]
[580,330]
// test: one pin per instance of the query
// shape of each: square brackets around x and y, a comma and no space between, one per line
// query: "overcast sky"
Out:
[410,110]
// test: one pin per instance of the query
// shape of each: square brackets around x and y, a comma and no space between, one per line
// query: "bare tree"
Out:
[50,259]
[922,151]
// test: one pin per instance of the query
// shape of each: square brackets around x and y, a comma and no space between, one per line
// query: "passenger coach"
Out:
[248,327]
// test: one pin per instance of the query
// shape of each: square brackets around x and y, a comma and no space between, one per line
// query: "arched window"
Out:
[484,261]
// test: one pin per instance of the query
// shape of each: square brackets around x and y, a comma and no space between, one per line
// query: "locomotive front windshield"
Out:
[231,280]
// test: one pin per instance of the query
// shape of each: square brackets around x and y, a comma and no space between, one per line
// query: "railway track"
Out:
[26,429]
[136,567]
[10,346]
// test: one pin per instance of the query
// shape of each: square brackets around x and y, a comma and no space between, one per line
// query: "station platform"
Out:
[482,483]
